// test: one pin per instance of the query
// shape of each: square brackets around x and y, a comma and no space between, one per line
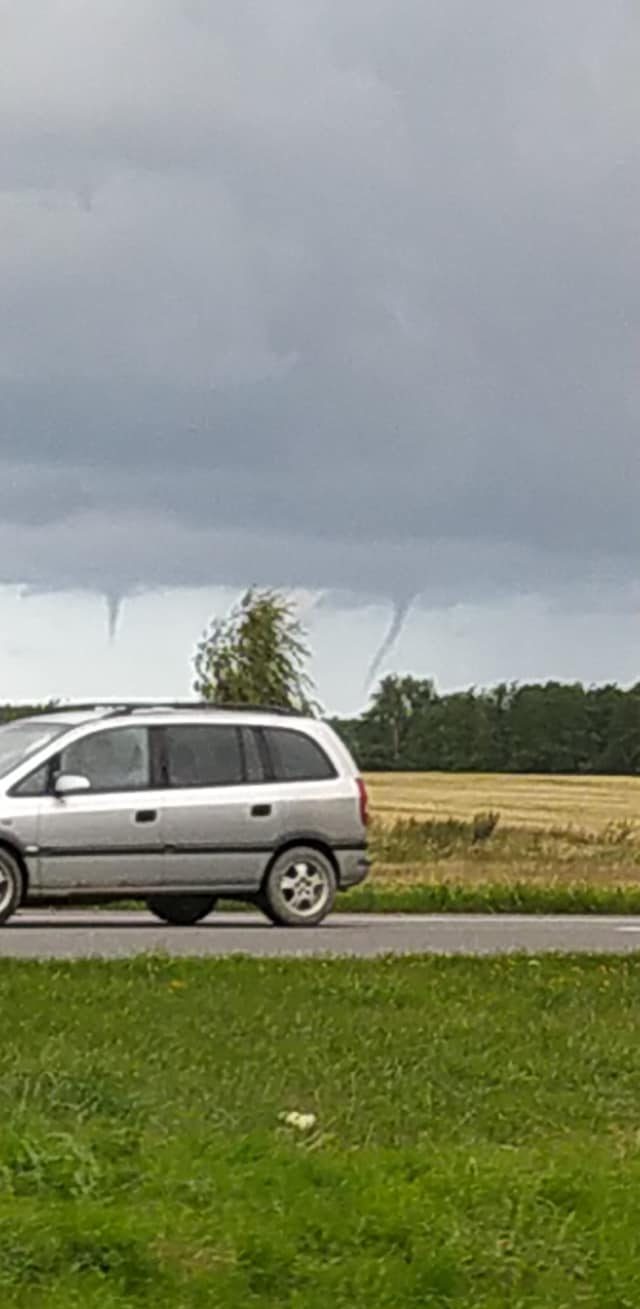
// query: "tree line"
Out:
[553,727]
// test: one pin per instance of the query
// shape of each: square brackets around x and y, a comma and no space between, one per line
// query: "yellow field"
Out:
[589,804]
[552,831]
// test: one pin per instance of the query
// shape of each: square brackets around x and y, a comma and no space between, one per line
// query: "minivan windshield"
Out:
[23,738]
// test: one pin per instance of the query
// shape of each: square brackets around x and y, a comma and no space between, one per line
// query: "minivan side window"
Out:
[114,760]
[200,755]
[35,784]
[296,757]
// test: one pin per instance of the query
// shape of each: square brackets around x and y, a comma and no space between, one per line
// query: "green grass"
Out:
[487,898]
[477,1139]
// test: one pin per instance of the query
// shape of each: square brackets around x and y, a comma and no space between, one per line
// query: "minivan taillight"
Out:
[364,802]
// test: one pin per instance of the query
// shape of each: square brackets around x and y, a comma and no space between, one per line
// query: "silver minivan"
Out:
[179,805]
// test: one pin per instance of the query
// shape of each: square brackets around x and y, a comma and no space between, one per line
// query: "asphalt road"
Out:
[83,934]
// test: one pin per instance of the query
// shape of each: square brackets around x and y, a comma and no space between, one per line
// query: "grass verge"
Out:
[432,897]
[476,1138]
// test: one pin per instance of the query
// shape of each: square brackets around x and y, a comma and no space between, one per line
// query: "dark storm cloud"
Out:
[340,295]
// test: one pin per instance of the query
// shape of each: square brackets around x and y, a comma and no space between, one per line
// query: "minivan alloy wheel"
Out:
[300,888]
[304,888]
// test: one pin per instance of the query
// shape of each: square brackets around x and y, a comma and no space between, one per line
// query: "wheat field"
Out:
[549,831]
[587,804]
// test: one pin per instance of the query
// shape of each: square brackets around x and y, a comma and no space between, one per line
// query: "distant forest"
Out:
[530,728]
[550,728]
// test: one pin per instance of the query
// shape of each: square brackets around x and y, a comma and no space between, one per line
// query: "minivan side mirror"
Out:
[71,784]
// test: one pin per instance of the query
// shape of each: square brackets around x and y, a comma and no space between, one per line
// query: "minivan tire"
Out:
[182,910]
[11,885]
[299,889]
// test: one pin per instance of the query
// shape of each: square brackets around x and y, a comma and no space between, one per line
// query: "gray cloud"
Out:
[342,295]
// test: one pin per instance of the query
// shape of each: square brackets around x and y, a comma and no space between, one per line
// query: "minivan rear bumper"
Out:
[353,867]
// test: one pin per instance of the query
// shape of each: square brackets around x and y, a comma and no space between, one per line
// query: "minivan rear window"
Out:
[296,757]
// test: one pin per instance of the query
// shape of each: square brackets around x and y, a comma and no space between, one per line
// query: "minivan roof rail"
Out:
[112,708]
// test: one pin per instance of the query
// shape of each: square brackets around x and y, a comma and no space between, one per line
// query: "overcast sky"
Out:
[341,295]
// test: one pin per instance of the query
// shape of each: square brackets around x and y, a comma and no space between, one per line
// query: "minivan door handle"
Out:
[261,811]
[146,815]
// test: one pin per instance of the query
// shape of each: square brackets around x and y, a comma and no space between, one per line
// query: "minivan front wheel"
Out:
[10,885]
[182,910]
[300,888]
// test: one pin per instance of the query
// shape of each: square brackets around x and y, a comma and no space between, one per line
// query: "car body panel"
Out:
[95,841]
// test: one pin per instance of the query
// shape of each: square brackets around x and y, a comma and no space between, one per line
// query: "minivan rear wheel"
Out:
[182,910]
[10,885]
[300,888]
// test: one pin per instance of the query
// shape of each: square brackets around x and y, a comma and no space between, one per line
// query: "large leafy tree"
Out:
[396,706]
[256,655]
